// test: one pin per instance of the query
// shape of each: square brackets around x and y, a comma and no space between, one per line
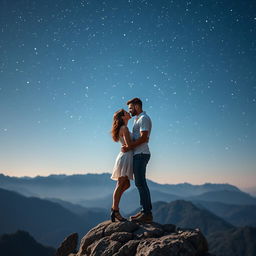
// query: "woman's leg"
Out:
[126,184]
[121,186]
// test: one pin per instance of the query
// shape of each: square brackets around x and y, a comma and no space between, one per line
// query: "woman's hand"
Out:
[125,148]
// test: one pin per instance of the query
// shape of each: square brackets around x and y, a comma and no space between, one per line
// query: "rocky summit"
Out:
[130,238]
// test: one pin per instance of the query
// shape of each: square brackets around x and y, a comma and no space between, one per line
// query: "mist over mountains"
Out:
[76,192]
[95,190]
[52,207]
[79,187]
[66,187]
[46,221]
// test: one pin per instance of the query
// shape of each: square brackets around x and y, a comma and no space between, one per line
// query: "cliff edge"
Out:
[135,239]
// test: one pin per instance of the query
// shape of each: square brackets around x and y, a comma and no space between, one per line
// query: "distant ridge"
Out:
[46,221]
[235,242]
[223,238]
[87,182]
[237,215]
[22,243]
[187,189]
[185,214]
[49,222]
[129,201]
[66,187]
[226,196]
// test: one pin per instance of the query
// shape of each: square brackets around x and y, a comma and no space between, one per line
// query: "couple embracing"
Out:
[131,162]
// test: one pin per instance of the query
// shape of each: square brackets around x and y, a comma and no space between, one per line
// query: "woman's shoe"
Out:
[115,214]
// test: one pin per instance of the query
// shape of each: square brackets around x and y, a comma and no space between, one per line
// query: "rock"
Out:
[126,226]
[94,234]
[128,249]
[134,239]
[122,237]
[68,246]
[104,247]
[149,230]
[187,243]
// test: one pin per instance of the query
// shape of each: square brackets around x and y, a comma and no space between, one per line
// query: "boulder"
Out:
[137,239]
[68,246]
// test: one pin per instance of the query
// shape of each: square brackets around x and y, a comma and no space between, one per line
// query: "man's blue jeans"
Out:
[139,169]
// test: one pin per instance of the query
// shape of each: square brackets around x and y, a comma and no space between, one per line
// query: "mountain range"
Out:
[236,242]
[237,215]
[23,244]
[75,188]
[47,221]
[50,208]
[66,187]
[185,214]
[81,192]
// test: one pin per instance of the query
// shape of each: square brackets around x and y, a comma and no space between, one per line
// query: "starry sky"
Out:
[67,66]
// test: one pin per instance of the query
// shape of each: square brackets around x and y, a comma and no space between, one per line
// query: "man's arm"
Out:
[133,144]
[142,139]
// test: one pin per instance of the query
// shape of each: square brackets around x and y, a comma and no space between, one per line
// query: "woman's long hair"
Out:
[117,123]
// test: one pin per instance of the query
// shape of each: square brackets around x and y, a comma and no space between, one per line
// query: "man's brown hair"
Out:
[135,101]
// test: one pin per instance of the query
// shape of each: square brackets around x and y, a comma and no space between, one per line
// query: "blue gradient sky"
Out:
[67,66]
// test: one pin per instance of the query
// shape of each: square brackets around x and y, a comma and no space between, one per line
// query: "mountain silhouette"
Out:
[214,208]
[23,244]
[76,188]
[48,222]
[129,200]
[236,242]
[66,187]
[184,214]
[187,189]
[237,215]
[226,196]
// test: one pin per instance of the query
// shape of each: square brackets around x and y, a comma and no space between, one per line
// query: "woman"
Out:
[123,168]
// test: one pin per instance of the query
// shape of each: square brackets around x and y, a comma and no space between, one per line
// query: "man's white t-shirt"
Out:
[141,123]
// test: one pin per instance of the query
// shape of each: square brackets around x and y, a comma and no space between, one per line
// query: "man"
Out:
[141,132]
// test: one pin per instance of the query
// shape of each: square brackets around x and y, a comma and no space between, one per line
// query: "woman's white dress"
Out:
[123,164]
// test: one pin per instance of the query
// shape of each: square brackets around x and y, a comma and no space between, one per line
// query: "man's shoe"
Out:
[135,216]
[144,218]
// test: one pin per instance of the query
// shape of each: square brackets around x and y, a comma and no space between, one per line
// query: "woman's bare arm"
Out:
[126,136]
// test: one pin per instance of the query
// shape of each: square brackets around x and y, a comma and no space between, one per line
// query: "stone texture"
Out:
[122,237]
[105,247]
[134,239]
[126,226]
[149,230]
[68,246]
[93,235]
[128,249]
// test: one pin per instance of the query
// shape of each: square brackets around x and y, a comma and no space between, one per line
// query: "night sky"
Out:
[67,66]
